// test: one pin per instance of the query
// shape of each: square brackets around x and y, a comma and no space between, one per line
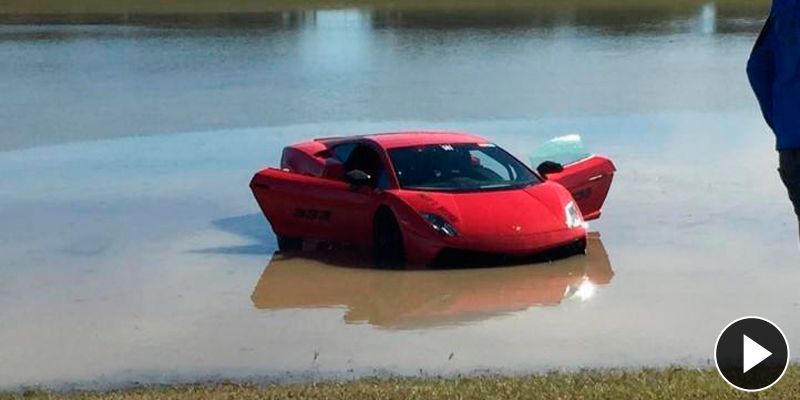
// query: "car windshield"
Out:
[459,167]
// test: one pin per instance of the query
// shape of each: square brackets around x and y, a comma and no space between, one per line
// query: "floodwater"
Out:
[426,299]
[131,249]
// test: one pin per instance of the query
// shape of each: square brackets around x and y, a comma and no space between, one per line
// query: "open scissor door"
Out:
[588,177]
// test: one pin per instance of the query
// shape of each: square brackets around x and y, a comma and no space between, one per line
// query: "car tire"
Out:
[579,247]
[387,246]
[287,243]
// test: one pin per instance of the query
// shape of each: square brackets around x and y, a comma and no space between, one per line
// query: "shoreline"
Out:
[665,383]
[19,9]
[251,13]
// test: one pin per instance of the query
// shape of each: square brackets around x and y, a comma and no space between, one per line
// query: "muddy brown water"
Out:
[425,299]
[132,251]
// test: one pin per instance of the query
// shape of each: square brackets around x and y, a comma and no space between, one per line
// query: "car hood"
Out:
[531,210]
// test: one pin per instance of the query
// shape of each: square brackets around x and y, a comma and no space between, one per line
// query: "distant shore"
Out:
[10,8]
[191,12]
[670,383]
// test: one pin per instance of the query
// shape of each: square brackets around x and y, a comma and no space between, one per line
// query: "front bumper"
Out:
[428,249]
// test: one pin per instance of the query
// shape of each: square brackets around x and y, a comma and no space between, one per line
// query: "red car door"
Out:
[588,180]
[309,207]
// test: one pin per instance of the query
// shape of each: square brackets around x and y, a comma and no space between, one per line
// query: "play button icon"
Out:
[751,354]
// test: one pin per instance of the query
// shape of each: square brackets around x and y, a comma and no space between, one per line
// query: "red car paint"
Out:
[310,198]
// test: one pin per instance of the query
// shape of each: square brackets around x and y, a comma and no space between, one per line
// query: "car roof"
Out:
[389,140]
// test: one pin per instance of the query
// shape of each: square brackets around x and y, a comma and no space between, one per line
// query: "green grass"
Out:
[673,383]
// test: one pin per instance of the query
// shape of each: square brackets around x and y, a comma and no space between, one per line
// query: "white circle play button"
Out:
[751,354]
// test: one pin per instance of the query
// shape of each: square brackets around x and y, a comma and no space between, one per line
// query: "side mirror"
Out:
[357,177]
[549,167]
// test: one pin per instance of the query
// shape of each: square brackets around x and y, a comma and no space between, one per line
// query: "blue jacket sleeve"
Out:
[761,70]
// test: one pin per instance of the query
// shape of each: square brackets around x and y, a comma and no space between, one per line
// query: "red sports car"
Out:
[420,197]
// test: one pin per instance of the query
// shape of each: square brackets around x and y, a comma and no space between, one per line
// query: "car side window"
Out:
[367,159]
[342,152]
[383,179]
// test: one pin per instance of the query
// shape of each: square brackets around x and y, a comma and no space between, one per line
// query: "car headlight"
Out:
[573,215]
[439,224]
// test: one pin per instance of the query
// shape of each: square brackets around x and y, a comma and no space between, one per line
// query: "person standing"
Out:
[774,74]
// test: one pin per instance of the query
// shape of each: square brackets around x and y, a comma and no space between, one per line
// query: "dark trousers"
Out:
[790,174]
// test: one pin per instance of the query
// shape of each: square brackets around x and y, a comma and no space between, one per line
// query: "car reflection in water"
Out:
[415,299]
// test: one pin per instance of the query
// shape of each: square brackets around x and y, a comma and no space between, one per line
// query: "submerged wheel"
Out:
[286,243]
[579,247]
[387,246]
